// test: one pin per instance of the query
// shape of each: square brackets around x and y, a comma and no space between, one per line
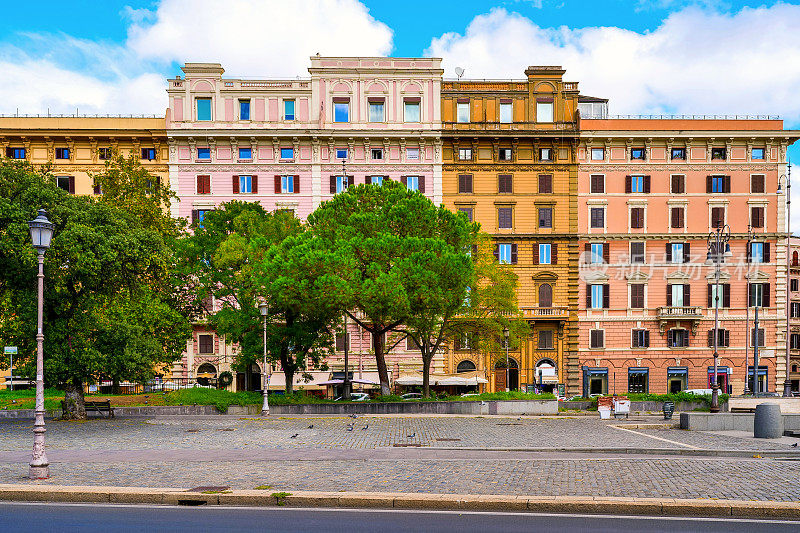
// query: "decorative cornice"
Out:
[507,168]
[705,167]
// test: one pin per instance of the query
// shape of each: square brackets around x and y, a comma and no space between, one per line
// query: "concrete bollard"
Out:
[768,421]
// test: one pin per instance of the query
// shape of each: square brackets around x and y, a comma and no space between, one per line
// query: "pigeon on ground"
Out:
[794,445]
[295,435]
[365,427]
[349,428]
[412,435]
[354,416]
[311,426]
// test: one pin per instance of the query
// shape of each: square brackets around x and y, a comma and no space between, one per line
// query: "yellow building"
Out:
[509,162]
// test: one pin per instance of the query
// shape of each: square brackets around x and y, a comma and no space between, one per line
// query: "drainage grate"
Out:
[209,488]
[192,503]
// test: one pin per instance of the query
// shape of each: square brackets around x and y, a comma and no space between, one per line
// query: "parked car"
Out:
[467,394]
[355,397]
[411,396]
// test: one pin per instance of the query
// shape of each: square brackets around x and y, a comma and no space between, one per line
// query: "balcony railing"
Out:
[545,312]
[670,311]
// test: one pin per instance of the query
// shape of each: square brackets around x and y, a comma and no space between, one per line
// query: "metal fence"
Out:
[154,385]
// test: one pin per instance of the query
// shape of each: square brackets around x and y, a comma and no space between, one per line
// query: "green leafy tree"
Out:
[105,263]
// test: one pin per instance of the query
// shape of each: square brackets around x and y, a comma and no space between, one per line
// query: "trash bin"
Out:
[668,408]
[768,421]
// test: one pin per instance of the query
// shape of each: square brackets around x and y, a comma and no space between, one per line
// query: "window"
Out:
[245,153]
[759,295]
[718,153]
[598,252]
[244,109]
[638,380]
[462,342]
[678,154]
[637,217]
[718,184]
[596,338]
[341,111]
[412,183]
[677,378]
[598,296]
[465,183]
[288,153]
[758,154]
[545,339]
[341,153]
[149,154]
[598,184]
[757,252]
[757,217]
[640,338]
[757,335]
[342,342]
[636,184]
[203,108]
[377,154]
[637,153]
[598,154]
[545,184]
[545,295]
[467,211]
[506,112]
[677,295]
[677,185]
[677,338]
[723,290]
[15,153]
[465,154]
[717,217]
[504,216]
[203,184]
[637,296]
[597,216]
[288,110]
[341,183]
[245,185]
[794,344]
[67,183]
[677,252]
[637,252]
[794,310]
[411,344]
[462,112]
[505,184]
[375,180]
[412,154]
[545,217]
[545,250]
[411,111]
[793,285]
[206,343]
[544,111]
[545,154]
[676,217]
[287,184]
[199,215]
[62,153]
[504,154]
[376,111]
[104,153]
[506,253]
[203,154]
[757,184]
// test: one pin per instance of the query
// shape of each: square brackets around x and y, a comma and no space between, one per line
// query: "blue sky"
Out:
[658,56]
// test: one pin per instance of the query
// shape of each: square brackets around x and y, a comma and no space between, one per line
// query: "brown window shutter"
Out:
[606,254]
[669,295]
[687,254]
[497,252]
[685,339]
[710,295]
[628,186]
[236,185]
[277,184]
[588,296]
[726,184]
[351,181]
[554,253]
[634,339]
[254,184]
[727,339]
[670,335]
[669,252]
[421,184]
[766,252]
[708,184]
[766,295]
[749,250]
[606,296]
[333,184]
[536,253]
[368,180]
[686,297]
[296,184]
[726,295]
[195,216]
[96,189]
[513,254]
[404,181]
[72,184]
[587,248]
[681,222]
[711,338]
[647,184]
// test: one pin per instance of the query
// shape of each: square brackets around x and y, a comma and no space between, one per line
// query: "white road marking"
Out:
[656,438]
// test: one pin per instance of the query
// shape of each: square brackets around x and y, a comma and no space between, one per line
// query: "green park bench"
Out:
[103,408]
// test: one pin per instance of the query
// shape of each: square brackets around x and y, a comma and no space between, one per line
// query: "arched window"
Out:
[466,366]
[794,258]
[501,363]
[207,368]
[545,295]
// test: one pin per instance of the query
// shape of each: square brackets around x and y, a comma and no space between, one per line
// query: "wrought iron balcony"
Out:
[545,313]
[680,312]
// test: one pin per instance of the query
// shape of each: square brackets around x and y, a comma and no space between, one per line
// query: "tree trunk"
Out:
[115,388]
[75,406]
[426,374]
[288,372]
[380,361]
[248,377]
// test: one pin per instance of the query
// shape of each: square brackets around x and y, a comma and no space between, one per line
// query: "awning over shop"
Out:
[277,381]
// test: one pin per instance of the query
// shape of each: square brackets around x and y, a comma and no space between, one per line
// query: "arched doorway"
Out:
[546,375]
[545,295]
[255,379]
[205,373]
[500,375]
[466,366]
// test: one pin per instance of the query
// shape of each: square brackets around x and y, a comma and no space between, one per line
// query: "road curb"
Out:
[701,452]
[377,500]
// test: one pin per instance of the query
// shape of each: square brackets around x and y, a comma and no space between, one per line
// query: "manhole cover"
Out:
[448,440]
[209,488]
[192,431]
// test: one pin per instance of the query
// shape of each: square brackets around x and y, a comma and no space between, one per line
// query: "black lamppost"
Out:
[41,233]
[716,239]
[264,308]
[750,237]
[787,384]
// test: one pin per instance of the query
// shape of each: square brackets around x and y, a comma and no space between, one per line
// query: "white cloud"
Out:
[259,38]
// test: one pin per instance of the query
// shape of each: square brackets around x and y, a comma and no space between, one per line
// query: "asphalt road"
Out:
[41,517]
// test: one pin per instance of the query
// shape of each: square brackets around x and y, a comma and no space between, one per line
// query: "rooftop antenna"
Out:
[459,72]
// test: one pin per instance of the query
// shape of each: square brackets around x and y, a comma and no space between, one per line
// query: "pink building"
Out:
[283,143]
[650,193]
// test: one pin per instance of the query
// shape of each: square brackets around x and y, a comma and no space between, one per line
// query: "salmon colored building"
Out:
[650,191]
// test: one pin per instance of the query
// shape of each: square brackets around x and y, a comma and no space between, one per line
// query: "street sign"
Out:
[10,350]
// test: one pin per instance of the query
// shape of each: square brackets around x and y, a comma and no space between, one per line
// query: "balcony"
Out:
[669,312]
[545,313]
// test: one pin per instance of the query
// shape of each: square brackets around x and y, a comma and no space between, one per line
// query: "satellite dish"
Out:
[459,72]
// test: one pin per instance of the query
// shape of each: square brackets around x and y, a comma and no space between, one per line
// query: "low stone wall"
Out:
[582,405]
[731,422]
[788,405]
[492,407]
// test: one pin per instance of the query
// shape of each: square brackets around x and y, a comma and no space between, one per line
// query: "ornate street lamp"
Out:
[787,178]
[41,233]
[716,240]
[505,334]
[264,308]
